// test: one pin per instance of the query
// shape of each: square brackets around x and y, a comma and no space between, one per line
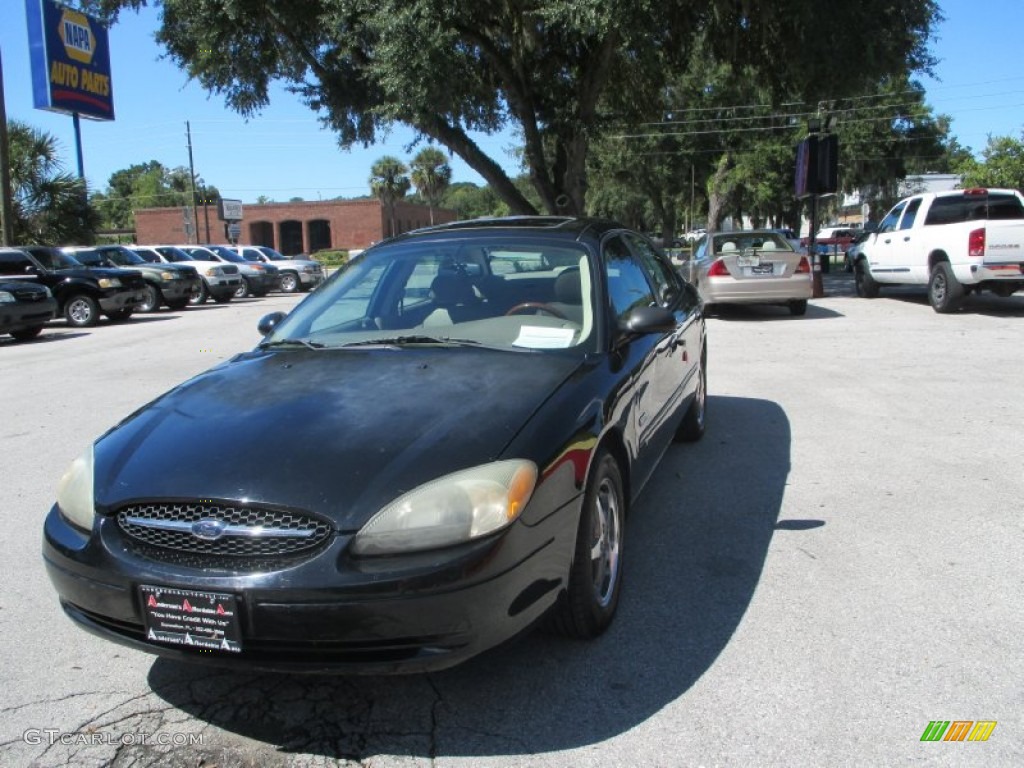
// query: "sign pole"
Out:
[7,207]
[78,144]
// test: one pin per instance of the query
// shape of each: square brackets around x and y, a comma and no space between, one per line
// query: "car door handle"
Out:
[906,239]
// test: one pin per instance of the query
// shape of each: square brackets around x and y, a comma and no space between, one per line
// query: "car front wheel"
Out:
[82,311]
[199,295]
[289,282]
[866,286]
[151,301]
[243,291]
[588,605]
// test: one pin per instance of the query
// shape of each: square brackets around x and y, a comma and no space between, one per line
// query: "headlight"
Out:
[74,492]
[109,282]
[212,271]
[257,267]
[450,510]
[167,275]
[307,270]
[6,298]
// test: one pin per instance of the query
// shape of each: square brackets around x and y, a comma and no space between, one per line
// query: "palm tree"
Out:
[49,205]
[431,174]
[389,183]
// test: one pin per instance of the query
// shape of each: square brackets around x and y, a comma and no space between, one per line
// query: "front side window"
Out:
[628,286]
[661,275]
[892,218]
[14,264]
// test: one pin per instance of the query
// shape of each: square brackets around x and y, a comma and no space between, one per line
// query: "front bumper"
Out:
[311,279]
[117,300]
[22,315]
[262,282]
[178,290]
[330,612]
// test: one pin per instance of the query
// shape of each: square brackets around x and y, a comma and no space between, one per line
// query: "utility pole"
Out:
[192,176]
[7,206]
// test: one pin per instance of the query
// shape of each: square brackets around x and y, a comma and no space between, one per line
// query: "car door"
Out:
[677,369]
[879,249]
[629,286]
[908,244]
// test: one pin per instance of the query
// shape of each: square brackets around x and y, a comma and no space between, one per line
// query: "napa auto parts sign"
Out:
[70,61]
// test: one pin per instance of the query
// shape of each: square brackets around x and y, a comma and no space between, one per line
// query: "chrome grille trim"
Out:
[222,529]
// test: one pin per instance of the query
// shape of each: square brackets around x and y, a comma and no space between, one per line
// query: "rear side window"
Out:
[910,213]
[954,209]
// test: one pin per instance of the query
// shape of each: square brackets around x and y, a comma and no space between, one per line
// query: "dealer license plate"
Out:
[205,621]
[748,261]
[763,269]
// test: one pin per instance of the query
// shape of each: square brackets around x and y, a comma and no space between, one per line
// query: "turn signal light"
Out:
[804,266]
[976,243]
[718,269]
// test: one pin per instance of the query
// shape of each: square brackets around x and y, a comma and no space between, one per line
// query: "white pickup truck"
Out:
[955,242]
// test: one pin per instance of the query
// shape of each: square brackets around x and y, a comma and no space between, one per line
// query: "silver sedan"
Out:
[751,266]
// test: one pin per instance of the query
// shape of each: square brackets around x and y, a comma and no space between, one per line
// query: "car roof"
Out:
[567,227]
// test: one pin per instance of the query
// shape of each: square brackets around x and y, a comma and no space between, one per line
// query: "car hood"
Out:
[335,432]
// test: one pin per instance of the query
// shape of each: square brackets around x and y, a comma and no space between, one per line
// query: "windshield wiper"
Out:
[409,340]
[291,343]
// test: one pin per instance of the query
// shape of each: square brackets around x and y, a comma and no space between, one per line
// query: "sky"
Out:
[284,153]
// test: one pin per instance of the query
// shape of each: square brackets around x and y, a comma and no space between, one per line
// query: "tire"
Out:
[27,333]
[177,306]
[81,311]
[152,301]
[866,286]
[121,314]
[695,421]
[798,308]
[289,282]
[945,293]
[199,295]
[243,291]
[588,605]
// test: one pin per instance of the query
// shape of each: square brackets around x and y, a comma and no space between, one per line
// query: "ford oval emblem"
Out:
[208,529]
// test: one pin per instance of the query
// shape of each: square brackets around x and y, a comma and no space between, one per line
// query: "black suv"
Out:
[81,293]
[24,308]
[170,284]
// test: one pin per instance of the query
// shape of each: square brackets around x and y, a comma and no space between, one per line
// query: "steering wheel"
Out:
[539,306]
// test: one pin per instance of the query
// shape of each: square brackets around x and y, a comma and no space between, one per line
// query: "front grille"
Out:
[227,530]
[23,295]
[230,269]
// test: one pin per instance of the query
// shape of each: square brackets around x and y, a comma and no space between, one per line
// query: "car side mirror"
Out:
[643,320]
[269,322]
[31,269]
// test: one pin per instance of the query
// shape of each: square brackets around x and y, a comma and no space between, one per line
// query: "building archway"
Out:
[318,235]
[261,233]
[290,237]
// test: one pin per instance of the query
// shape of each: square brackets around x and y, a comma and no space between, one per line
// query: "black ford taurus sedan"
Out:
[460,421]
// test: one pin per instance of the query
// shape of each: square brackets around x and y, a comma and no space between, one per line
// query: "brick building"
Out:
[290,228]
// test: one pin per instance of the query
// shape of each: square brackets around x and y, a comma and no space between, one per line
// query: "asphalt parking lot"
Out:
[839,562]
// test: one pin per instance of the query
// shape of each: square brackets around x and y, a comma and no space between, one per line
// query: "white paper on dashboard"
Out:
[538,337]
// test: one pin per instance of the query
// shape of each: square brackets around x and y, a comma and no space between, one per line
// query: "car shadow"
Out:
[695,549]
[981,304]
[769,312]
[48,334]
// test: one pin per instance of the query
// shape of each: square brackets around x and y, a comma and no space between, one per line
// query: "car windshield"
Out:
[116,256]
[437,291]
[271,254]
[147,255]
[173,253]
[227,254]
[93,258]
[54,259]
[200,253]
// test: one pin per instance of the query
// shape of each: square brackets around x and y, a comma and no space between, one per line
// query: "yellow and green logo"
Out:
[958,730]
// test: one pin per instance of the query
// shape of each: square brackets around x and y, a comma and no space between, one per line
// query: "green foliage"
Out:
[562,73]
[431,175]
[148,185]
[388,181]
[49,204]
[332,258]
[1002,165]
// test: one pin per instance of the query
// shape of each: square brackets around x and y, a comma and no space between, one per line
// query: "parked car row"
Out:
[82,283]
